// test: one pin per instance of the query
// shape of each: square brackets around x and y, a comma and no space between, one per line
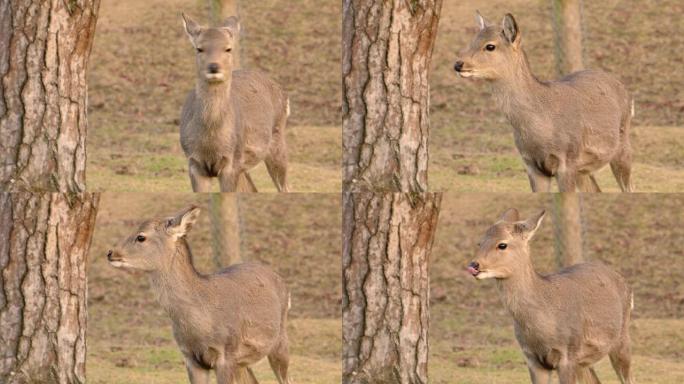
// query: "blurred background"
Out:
[471,334]
[129,335]
[142,67]
[642,42]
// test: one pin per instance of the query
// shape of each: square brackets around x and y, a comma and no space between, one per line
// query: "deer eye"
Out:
[502,246]
[490,47]
[200,50]
[140,238]
[229,49]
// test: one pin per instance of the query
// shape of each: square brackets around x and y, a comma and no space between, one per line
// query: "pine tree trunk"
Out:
[386,48]
[44,241]
[225,228]
[44,49]
[387,242]
[567,19]
[568,228]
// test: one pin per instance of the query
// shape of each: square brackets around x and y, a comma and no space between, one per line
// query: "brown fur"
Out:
[566,321]
[225,321]
[232,120]
[569,128]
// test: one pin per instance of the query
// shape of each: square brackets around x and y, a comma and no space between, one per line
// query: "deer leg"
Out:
[196,374]
[567,180]
[225,372]
[587,375]
[538,181]
[622,169]
[245,375]
[228,180]
[587,183]
[200,180]
[245,183]
[620,359]
[567,373]
[279,360]
[276,161]
[538,374]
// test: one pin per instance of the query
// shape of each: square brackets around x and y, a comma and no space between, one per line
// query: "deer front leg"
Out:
[197,374]
[225,372]
[539,182]
[567,373]
[538,374]
[200,180]
[567,179]
[228,178]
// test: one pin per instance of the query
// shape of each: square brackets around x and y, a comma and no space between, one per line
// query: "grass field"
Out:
[471,334]
[142,66]
[129,335]
[471,143]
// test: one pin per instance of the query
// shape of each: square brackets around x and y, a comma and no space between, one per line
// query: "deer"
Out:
[225,321]
[233,119]
[567,129]
[565,321]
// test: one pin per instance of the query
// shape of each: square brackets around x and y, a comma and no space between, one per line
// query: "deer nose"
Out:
[459,66]
[213,68]
[474,268]
[109,255]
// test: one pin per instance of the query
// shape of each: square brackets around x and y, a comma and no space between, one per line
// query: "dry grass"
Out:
[142,66]
[129,335]
[640,41]
[640,235]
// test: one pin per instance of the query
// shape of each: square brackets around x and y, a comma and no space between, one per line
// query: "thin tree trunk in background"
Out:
[387,242]
[567,21]
[44,241]
[567,223]
[386,52]
[224,209]
[221,10]
[44,49]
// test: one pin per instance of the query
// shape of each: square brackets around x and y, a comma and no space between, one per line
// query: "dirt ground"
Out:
[471,142]
[142,66]
[471,334]
[129,335]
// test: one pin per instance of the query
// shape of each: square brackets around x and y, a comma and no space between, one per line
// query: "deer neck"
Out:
[517,89]
[523,293]
[178,285]
[215,103]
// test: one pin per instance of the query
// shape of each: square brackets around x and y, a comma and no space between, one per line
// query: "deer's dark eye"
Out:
[490,47]
[140,238]
[229,49]
[200,50]
[502,246]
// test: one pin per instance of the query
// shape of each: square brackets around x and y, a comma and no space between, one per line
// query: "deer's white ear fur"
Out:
[232,25]
[179,225]
[192,29]
[481,21]
[530,226]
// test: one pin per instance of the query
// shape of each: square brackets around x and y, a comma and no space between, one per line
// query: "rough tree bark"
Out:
[44,241]
[567,221]
[387,242]
[386,51]
[567,22]
[225,228]
[44,49]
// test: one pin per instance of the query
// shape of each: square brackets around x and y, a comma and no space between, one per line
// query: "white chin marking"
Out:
[214,77]
[466,74]
[117,264]
[484,275]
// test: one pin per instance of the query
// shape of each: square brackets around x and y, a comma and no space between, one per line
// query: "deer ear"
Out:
[232,25]
[529,227]
[481,21]
[510,29]
[192,29]
[511,215]
[179,225]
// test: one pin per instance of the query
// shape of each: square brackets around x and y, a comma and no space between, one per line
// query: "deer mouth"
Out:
[466,73]
[474,272]
[214,77]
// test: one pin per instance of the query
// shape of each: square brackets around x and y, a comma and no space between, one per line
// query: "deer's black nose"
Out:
[109,255]
[458,66]
[474,265]
[213,68]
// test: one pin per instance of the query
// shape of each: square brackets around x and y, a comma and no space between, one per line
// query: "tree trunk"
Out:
[567,20]
[386,48]
[387,242]
[225,228]
[568,228]
[44,241]
[44,49]
[221,10]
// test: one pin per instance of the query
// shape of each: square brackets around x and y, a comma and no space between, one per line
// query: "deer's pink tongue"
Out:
[473,271]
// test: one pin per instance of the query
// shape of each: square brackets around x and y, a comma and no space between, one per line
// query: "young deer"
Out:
[565,321]
[226,321]
[232,120]
[569,128]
